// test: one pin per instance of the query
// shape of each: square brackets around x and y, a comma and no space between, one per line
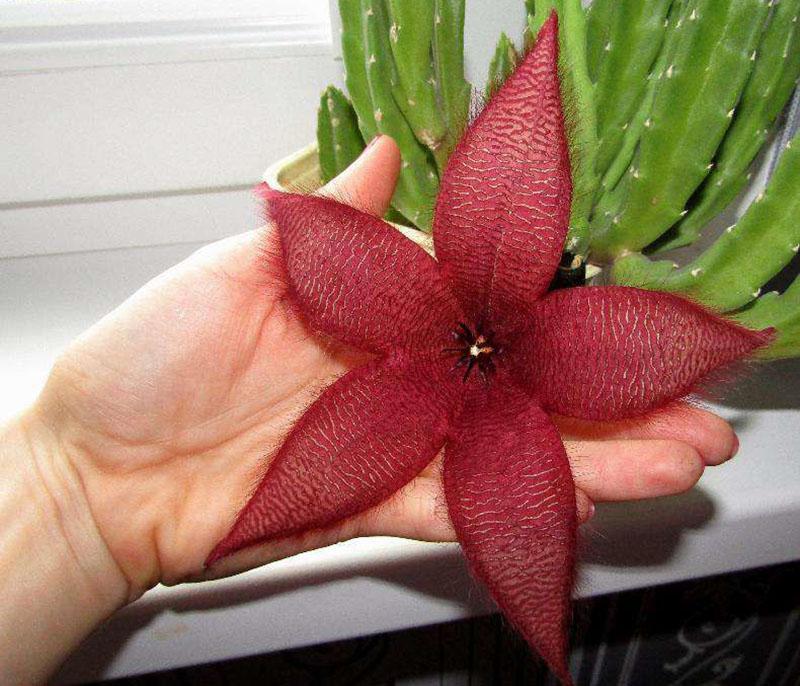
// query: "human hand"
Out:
[167,412]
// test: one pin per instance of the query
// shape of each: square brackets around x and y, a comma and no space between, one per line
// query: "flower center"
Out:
[473,349]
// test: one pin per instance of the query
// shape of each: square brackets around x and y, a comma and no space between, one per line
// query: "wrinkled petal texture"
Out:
[503,208]
[511,499]
[358,279]
[365,437]
[610,352]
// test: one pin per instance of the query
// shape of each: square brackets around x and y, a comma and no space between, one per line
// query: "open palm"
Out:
[170,408]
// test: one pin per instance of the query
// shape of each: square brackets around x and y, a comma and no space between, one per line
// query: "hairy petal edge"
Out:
[511,499]
[610,352]
[367,435]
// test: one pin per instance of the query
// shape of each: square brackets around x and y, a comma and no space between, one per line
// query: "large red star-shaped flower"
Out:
[471,352]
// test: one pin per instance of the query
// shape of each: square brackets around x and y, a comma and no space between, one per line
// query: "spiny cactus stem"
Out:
[732,272]
[355,66]
[599,18]
[776,70]
[632,130]
[411,40]
[633,45]
[418,182]
[338,137]
[448,63]
[689,116]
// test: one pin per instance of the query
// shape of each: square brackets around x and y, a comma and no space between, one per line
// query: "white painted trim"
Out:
[157,128]
[46,47]
[76,12]
[69,34]
[127,221]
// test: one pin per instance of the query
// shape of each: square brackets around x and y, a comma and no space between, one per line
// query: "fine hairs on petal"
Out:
[720,383]
[350,195]
[715,385]
[626,350]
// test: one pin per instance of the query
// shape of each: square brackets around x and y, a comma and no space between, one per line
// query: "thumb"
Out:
[368,183]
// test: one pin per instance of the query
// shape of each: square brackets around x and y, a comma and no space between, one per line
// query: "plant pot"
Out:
[300,173]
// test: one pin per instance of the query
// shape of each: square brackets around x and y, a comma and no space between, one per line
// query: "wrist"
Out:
[59,580]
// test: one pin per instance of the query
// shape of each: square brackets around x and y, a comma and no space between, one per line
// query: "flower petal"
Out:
[367,435]
[610,352]
[357,278]
[503,208]
[511,499]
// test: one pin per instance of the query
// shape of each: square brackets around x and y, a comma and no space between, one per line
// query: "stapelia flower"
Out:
[471,352]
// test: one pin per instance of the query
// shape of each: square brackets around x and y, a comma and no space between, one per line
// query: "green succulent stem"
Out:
[713,56]
[599,17]
[769,88]
[633,44]
[355,66]
[338,137]
[503,63]
[411,42]
[454,91]
[731,273]
[371,78]
[632,131]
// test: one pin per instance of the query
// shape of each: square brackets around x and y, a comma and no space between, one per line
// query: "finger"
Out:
[584,506]
[708,434]
[419,511]
[368,183]
[633,469]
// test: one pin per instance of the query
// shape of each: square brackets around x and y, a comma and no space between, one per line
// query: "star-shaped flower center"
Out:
[473,349]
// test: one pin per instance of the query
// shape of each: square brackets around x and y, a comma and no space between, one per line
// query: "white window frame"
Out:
[62,34]
[142,122]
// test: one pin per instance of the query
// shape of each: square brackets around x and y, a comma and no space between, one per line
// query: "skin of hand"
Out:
[157,423]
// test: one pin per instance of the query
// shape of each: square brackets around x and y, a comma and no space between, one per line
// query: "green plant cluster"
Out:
[404,70]
[669,105]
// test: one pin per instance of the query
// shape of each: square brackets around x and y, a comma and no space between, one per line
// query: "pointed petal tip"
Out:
[266,192]
[553,648]
[548,33]
[752,341]
[219,551]
[561,672]
[511,499]
[766,336]
[550,26]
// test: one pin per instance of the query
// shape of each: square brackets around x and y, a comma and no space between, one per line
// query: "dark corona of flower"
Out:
[473,349]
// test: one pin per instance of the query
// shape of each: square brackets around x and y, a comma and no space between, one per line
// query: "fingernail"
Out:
[735,448]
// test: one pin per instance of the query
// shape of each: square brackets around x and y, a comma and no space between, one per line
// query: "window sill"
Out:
[745,514]
[47,35]
[41,49]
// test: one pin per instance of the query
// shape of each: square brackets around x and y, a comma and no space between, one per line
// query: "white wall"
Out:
[119,132]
